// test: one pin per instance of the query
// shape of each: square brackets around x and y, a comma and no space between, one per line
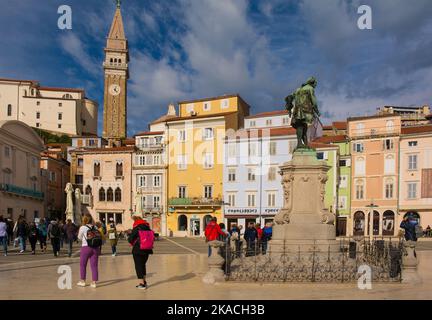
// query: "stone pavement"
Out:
[178,277]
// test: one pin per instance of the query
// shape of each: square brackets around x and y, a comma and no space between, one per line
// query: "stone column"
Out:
[409,264]
[215,263]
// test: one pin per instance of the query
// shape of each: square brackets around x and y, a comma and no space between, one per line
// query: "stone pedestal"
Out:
[215,263]
[304,223]
[409,264]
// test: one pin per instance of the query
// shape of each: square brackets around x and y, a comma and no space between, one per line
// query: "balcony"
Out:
[9,188]
[152,210]
[149,145]
[199,202]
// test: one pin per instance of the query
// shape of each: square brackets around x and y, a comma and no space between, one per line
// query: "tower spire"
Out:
[118,3]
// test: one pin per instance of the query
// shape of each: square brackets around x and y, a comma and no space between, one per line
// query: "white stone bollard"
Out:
[215,263]
[409,264]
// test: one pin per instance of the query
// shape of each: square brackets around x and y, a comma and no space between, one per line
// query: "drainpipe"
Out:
[167,180]
[398,177]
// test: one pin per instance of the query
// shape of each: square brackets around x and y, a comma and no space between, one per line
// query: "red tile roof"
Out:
[340,125]
[267,114]
[320,145]
[417,129]
[61,89]
[330,139]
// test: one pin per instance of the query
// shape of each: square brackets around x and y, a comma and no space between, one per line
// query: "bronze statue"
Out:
[303,110]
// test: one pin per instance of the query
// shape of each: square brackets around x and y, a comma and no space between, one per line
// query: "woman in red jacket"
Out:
[212,232]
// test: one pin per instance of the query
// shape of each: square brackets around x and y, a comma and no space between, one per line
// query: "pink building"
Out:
[375,149]
[416,174]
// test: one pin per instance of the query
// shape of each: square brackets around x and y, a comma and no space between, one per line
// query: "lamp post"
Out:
[371,211]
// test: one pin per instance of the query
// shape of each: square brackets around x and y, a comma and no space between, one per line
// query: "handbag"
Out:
[112,236]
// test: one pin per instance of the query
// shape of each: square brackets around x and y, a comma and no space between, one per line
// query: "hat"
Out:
[137,215]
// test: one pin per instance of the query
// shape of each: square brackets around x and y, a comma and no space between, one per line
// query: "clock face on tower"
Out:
[114,89]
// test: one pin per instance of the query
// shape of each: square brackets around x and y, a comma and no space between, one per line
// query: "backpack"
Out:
[55,231]
[93,237]
[146,239]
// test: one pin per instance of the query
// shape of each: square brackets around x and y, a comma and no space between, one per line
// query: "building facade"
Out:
[410,116]
[374,143]
[149,176]
[116,70]
[252,186]
[107,183]
[57,110]
[416,174]
[20,176]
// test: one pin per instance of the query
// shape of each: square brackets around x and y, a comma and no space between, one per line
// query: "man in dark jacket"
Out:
[54,234]
[22,233]
[140,256]
[70,231]
[409,225]
[250,235]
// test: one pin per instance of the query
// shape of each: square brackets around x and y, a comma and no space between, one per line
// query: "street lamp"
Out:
[371,211]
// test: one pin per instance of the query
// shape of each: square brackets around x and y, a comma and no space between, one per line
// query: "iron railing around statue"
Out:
[255,262]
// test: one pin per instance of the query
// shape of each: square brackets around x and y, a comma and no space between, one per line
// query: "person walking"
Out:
[33,237]
[42,228]
[113,238]
[3,235]
[142,239]
[212,232]
[22,233]
[250,236]
[409,226]
[54,234]
[91,240]
[62,233]
[100,227]
[70,231]
[10,226]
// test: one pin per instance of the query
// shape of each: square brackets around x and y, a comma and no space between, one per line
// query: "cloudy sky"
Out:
[190,49]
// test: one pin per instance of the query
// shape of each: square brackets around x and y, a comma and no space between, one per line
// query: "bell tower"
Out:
[116,71]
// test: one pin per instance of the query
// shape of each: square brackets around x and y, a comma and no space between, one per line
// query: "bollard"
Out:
[215,263]
[409,264]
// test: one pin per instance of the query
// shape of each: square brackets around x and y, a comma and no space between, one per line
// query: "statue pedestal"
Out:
[215,263]
[304,223]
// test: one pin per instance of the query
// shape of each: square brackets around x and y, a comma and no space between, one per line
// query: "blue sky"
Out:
[260,49]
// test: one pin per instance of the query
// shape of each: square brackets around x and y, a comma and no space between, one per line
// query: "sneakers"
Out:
[93,285]
[142,286]
[5,254]
[81,283]
[114,254]
[22,251]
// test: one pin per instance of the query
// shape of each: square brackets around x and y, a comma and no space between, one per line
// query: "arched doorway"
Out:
[182,223]
[388,225]
[359,223]
[375,224]
[206,220]
[413,215]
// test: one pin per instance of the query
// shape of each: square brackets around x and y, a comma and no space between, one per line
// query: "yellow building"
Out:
[195,160]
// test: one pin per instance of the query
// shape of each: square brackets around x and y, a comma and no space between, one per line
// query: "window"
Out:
[181,162]
[91,142]
[389,126]
[271,199]
[60,116]
[96,169]
[38,115]
[360,128]
[388,144]
[156,181]
[9,110]
[268,122]
[207,106]
[252,124]
[59,126]
[156,201]
[208,160]
[208,192]
[231,200]
[84,122]
[117,195]
[412,143]
[7,151]
[182,135]
[33,162]
[359,190]
[110,194]
[37,125]
[358,147]
[141,181]
[360,167]
[389,164]
[272,174]
[412,162]
[251,200]
[88,190]
[156,160]
[189,107]
[67,96]
[231,175]
[343,163]
[285,120]
[60,104]
[38,103]
[251,174]
[272,148]
[182,192]
[79,179]
[208,133]
[252,149]
[140,160]
[119,169]
[224,103]
[101,194]
[232,150]
[412,190]
[343,202]
[52,176]
[389,186]
[320,155]
[343,181]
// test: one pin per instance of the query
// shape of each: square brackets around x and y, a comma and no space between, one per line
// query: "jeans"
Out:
[92,254]
[4,241]
[70,245]
[42,241]
[209,251]
[22,243]
[114,249]
[55,242]
[33,241]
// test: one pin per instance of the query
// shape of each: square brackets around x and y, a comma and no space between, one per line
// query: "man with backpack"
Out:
[212,232]
[54,234]
[141,238]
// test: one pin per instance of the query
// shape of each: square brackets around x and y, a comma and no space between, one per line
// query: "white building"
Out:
[58,110]
[149,179]
[251,179]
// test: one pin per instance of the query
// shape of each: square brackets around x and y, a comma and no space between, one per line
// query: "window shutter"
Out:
[426,186]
